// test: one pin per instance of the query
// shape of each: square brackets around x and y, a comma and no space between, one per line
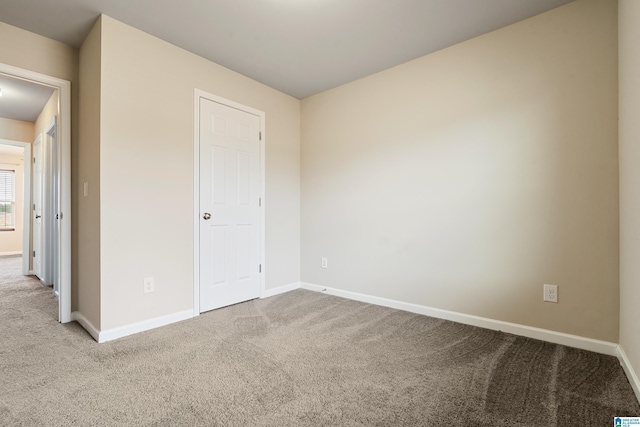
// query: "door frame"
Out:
[26,202]
[198,95]
[64,147]
[52,204]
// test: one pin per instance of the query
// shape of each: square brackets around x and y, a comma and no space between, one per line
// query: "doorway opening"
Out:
[35,117]
[15,196]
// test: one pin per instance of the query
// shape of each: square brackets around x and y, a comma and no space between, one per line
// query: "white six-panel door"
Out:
[229,205]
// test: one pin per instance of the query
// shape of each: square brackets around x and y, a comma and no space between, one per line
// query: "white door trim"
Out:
[64,143]
[198,94]
[26,202]
[52,233]
[38,253]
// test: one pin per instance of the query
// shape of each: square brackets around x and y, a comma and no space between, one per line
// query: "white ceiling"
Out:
[22,100]
[300,47]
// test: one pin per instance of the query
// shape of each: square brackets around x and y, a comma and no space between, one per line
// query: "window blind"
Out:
[7,199]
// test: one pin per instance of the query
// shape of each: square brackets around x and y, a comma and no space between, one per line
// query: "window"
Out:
[7,200]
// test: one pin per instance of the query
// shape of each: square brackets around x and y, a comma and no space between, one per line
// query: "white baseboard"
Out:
[145,325]
[134,328]
[569,340]
[280,290]
[631,373]
[88,326]
[11,253]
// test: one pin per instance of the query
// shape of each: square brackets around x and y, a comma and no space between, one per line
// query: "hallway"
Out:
[23,298]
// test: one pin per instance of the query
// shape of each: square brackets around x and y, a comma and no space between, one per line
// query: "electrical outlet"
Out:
[325,263]
[550,293]
[149,285]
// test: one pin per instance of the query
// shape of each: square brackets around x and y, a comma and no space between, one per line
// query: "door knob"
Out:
[206,216]
[38,216]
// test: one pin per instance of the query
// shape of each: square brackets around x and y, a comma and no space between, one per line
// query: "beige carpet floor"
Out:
[297,359]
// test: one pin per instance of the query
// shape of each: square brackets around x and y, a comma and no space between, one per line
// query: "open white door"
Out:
[38,238]
[52,204]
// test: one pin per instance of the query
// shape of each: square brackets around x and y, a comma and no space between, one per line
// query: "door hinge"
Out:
[259,268]
[34,254]
[260,134]
[34,206]
[259,202]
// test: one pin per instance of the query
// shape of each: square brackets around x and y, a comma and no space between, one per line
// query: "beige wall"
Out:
[87,214]
[49,111]
[629,155]
[30,51]
[468,178]
[146,122]
[16,130]
[11,241]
